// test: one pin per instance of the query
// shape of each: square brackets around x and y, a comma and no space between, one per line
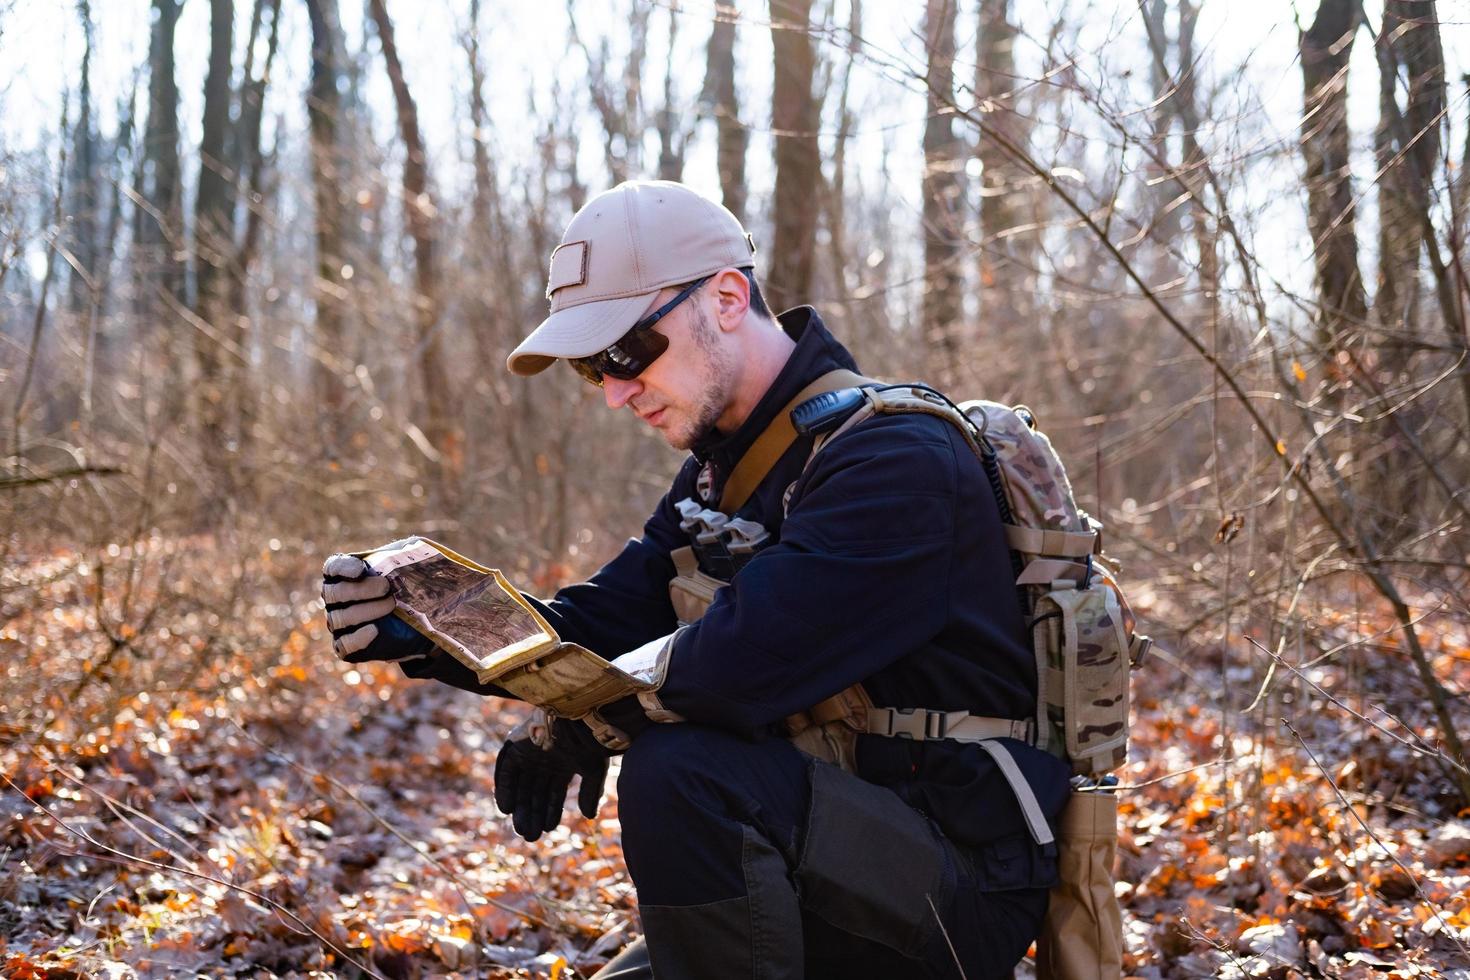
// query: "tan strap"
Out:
[1051,542]
[610,736]
[772,444]
[653,707]
[686,562]
[922,725]
[1045,571]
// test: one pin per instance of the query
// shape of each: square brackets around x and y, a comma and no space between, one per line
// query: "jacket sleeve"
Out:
[626,603]
[623,606]
[859,578]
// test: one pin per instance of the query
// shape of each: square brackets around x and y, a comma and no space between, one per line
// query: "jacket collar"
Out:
[816,353]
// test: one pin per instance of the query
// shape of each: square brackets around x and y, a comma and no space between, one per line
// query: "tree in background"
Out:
[943,198]
[443,432]
[324,111]
[795,118]
[720,98]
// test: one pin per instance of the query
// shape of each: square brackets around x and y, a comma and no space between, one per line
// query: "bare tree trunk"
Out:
[1460,193]
[1325,48]
[101,340]
[1167,226]
[1007,193]
[324,114]
[795,116]
[721,98]
[252,160]
[84,203]
[1202,223]
[38,323]
[673,137]
[619,107]
[942,197]
[158,229]
[418,209]
[499,301]
[214,231]
[1405,165]
[835,189]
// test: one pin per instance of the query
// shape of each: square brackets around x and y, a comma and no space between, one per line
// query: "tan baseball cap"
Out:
[624,246]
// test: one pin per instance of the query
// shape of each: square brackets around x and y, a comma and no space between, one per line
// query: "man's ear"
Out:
[732,292]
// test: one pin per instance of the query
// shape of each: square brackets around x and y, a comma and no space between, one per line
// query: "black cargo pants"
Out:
[752,860]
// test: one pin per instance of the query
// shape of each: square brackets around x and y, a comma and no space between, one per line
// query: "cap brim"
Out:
[578,331]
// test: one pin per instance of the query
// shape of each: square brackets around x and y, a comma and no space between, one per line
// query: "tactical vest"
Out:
[1083,636]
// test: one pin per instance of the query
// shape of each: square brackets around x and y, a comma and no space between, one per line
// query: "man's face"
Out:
[685,392]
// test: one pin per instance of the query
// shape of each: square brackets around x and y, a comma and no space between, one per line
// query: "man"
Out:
[883,563]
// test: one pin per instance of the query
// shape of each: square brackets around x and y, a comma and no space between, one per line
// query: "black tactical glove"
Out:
[535,767]
[360,605]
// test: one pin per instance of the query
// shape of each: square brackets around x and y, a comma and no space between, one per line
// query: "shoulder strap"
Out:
[772,444]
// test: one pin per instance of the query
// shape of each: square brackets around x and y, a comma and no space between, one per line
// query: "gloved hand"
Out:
[360,615]
[535,767]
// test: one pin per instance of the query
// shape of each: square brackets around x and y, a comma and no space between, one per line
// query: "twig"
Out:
[1434,910]
[945,933]
[134,860]
[1406,743]
[1128,787]
[16,482]
[459,883]
[117,806]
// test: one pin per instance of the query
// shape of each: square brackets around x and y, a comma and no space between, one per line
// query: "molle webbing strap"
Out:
[772,444]
[1048,541]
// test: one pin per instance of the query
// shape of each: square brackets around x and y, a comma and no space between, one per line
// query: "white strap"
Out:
[1025,795]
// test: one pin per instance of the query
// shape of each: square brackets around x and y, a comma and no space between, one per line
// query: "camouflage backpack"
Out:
[1083,635]
[1083,631]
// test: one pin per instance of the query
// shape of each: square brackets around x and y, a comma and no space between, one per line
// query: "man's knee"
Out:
[679,781]
[663,763]
[674,763]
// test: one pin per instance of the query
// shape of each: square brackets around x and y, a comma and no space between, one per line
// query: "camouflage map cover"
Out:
[468,610]
[476,616]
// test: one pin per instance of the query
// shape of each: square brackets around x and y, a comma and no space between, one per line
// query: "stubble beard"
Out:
[717,384]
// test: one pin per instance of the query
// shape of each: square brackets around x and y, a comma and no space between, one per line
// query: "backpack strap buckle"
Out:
[924,724]
[919,724]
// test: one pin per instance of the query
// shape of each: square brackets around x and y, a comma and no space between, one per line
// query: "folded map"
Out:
[476,616]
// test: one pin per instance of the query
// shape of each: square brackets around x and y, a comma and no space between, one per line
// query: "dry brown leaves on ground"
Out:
[222,798]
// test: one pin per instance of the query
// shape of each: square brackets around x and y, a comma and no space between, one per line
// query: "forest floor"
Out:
[197,793]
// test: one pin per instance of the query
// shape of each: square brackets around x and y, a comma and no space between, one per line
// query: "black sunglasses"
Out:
[633,352]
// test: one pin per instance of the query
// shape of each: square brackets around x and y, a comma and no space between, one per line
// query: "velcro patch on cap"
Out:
[568,266]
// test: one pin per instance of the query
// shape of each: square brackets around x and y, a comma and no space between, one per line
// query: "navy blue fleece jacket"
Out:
[889,567]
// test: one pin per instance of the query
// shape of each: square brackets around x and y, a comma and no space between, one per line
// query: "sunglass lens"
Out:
[629,357]
[585,368]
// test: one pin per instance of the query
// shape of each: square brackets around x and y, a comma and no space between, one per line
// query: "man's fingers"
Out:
[589,794]
[344,566]
[507,781]
[553,801]
[527,817]
[355,590]
[346,644]
[358,613]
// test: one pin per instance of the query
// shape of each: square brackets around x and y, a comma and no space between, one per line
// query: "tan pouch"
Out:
[690,590]
[1084,638]
[829,729]
[1082,935]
